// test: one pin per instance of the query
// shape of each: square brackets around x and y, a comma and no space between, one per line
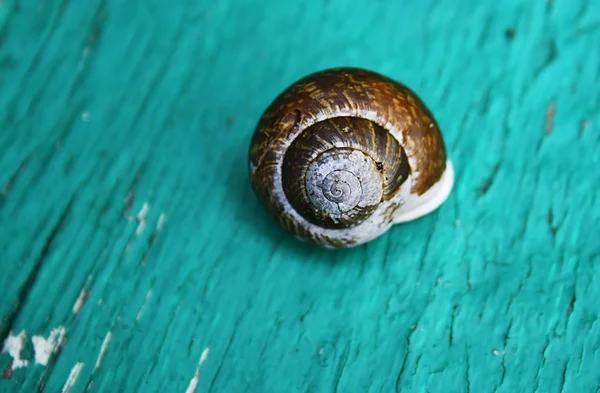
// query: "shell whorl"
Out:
[337,171]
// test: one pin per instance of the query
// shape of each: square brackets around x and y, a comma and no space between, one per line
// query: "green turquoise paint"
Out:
[135,258]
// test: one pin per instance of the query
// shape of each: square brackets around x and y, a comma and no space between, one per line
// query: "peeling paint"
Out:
[44,348]
[83,294]
[204,356]
[13,346]
[161,221]
[73,375]
[141,218]
[194,381]
[103,350]
[80,300]
[141,310]
[143,211]
[140,228]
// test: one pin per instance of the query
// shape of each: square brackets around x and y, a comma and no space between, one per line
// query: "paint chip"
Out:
[161,221]
[80,300]
[13,346]
[103,350]
[496,352]
[141,218]
[44,348]
[140,229]
[72,377]
[204,356]
[194,381]
[141,310]
[143,211]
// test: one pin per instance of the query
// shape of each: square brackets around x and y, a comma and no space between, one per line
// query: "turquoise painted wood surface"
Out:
[134,256]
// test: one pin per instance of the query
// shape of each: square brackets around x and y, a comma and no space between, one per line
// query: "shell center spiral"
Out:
[336,172]
[342,179]
[342,187]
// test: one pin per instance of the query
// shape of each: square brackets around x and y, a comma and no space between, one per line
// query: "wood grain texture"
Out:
[131,242]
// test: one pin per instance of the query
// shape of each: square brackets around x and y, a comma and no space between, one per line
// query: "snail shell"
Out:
[343,154]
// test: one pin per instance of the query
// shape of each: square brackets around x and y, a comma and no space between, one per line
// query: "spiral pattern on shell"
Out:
[337,171]
[338,154]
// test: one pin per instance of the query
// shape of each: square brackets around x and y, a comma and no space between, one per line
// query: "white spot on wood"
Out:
[100,301]
[80,300]
[140,228]
[496,352]
[44,348]
[143,211]
[103,350]
[73,375]
[13,346]
[85,116]
[194,381]
[161,221]
[141,310]
[204,356]
[141,218]
[457,223]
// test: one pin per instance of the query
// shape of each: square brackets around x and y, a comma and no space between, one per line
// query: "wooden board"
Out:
[135,257]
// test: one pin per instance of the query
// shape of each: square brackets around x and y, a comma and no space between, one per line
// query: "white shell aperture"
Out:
[422,205]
